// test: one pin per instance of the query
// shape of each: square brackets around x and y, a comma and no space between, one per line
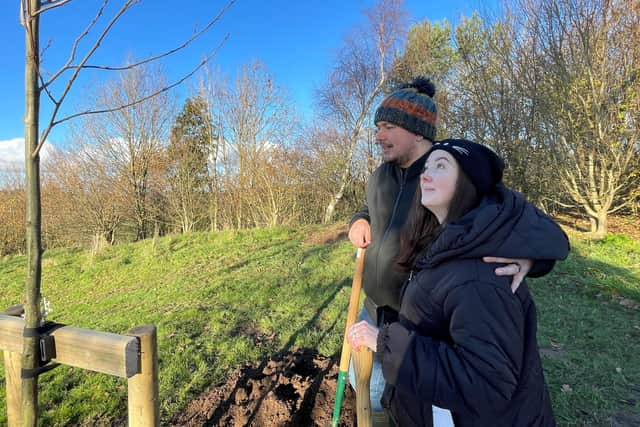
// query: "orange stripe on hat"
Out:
[410,108]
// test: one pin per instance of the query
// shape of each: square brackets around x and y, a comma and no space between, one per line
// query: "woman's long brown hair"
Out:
[422,227]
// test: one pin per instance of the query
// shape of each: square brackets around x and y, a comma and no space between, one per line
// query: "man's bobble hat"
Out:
[411,107]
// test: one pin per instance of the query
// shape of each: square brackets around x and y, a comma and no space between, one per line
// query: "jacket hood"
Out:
[504,225]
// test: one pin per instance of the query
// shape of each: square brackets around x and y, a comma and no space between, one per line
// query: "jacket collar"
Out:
[416,167]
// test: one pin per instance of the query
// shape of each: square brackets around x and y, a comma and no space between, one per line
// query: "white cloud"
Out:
[12,153]
[12,150]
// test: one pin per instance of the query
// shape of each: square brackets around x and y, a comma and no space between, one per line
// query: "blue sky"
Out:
[295,39]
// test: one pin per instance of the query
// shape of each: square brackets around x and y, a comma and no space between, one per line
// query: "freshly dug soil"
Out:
[296,388]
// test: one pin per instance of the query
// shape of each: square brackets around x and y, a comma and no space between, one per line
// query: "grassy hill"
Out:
[225,299]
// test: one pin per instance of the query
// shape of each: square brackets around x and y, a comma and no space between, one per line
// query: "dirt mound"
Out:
[295,388]
[328,235]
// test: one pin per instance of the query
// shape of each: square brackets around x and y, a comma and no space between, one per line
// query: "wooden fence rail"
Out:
[131,356]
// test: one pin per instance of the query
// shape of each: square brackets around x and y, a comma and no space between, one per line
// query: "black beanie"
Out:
[481,164]
[412,108]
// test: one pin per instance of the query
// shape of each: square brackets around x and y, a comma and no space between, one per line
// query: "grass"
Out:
[222,300]
[589,333]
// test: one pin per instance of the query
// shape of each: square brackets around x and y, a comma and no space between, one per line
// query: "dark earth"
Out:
[295,388]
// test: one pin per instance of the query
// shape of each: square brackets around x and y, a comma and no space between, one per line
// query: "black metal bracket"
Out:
[46,348]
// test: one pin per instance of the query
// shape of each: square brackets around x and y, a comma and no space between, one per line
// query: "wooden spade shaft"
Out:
[352,315]
[362,365]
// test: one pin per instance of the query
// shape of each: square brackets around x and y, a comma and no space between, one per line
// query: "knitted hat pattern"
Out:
[411,107]
[479,162]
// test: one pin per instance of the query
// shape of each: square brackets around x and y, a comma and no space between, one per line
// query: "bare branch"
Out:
[44,50]
[169,52]
[23,13]
[72,55]
[51,5]
[558,202]
[622,205]
[68,65]
[82,64]
[75,75]
[136,102]
[46,89]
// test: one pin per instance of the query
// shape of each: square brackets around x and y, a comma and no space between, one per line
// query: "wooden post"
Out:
[144,403]
[134,356]
[12,369]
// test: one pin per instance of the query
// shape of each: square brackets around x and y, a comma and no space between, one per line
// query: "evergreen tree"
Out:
[190,143]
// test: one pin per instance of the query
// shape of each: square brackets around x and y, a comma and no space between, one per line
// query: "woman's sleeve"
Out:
[479,371]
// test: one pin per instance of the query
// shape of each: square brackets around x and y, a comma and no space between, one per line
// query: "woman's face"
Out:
[438,183]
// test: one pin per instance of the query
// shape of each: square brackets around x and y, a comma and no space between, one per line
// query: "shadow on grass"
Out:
[573,221]
[266,253]
[596,278]
[312,321]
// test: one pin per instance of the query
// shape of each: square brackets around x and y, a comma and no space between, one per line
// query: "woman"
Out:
[463,340]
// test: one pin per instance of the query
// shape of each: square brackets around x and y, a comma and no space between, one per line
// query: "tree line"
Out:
[553,86]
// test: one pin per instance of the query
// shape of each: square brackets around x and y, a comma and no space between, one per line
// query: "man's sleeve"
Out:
[537,237]
[553,237]
[541,267]
[362,213]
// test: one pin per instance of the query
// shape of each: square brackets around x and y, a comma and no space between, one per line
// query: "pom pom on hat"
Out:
[422,85]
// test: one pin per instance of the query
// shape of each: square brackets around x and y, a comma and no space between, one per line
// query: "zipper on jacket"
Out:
[405,285]
[403,177]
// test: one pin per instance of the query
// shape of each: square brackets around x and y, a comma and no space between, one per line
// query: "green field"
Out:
[225,299]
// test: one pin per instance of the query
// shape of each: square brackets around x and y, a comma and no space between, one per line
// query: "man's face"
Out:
[398,145]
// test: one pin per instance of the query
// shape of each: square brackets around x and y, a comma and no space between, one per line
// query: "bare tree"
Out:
[131,139]
[12,212]
[35,85]
[212,91]
[591,95]
[357,79]
[325,153]
[277,197]
[495,98]
[88,196]
[256,118]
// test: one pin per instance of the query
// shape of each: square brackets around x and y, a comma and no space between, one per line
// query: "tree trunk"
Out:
[599,224]
[331,207]
[140,213]
[33,219]
[213,212]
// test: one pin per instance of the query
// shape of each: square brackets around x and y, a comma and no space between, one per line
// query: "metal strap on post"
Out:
[46,348]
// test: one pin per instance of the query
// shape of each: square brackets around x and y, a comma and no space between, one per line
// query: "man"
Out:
[406,123]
